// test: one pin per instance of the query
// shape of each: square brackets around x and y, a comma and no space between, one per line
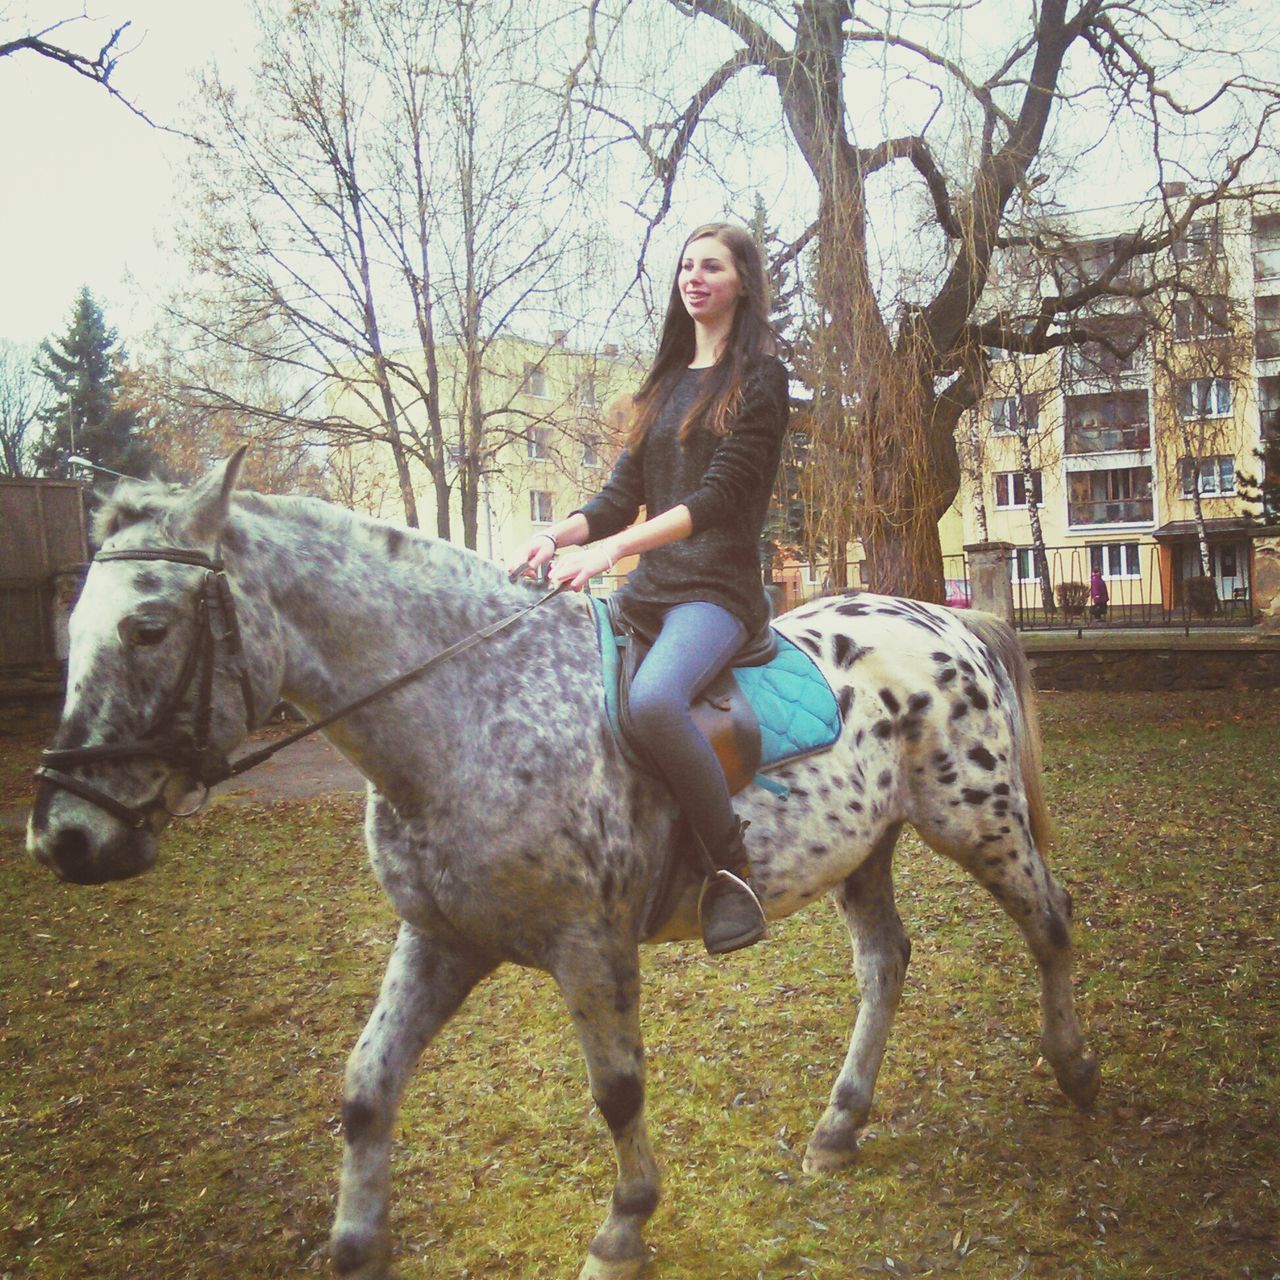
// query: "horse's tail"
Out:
[1002,640]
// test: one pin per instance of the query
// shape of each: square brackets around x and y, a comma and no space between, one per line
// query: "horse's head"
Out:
[157,690]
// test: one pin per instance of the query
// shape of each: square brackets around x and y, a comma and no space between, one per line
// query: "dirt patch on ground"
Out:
[311,767]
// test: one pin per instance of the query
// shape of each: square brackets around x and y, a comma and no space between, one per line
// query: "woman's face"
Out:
[709,284]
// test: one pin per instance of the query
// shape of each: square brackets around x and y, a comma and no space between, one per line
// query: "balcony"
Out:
[1089,437]
[1266,344]
[1109,511]
[1270,422]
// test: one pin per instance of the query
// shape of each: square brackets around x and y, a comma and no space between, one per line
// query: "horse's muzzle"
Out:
[80,854]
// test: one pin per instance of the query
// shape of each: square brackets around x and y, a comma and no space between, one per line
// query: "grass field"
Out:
[171,1051]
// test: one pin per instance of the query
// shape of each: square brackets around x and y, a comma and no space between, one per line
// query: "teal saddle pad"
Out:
[798,713]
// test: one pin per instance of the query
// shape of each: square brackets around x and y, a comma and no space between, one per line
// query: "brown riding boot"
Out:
[728,909]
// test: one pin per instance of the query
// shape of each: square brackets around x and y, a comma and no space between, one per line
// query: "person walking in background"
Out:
[1098,595]
[701,459]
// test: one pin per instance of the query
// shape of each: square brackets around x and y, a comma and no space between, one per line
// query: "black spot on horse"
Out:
[947,778]
[981,756]
[1000,789]
[395,541]
[845,651]
[811,643]
[973,795]
[846,701]
[852,609]
[357,1119]
[620,1101]
[976,697]
[958,709]
[918,703]
[891,703]
[884,780]
[882,729]
[947,676]
[965,666]
[145,580]
[638,1202]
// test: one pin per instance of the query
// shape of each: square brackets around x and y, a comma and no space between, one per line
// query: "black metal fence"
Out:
[1136,586]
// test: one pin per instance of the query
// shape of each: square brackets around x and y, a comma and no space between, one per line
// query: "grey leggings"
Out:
[697,641]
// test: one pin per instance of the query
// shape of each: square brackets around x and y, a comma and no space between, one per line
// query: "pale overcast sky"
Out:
[87,183]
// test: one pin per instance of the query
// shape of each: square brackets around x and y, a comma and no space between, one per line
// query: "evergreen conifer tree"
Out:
[86,413]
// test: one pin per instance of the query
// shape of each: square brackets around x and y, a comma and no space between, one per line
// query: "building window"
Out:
[1208,317]
[1120,496]
[1266,338]
[1116,559]
[1217,475]
[535,380]
[1024,565]
[537,443]
[1011,489]
[591,453]
[1117,421]
[1200,241]
[1018,415]
[540,506]
[1098,256]
[1205,398]
[586,389]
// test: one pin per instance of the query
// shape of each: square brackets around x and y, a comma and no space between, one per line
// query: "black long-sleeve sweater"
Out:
[725,481]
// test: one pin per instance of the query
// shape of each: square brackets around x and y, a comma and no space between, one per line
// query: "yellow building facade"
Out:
[547,423]
[1113,454]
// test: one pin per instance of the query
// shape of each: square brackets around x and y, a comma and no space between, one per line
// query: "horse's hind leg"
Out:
[602,990]
[881,953]
[1009,866]
[424,984]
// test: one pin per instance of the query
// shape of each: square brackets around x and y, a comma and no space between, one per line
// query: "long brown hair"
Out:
[750,337]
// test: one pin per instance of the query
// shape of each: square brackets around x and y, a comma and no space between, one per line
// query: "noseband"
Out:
[165,739]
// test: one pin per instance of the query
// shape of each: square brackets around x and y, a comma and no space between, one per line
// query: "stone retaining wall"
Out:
[1155,669]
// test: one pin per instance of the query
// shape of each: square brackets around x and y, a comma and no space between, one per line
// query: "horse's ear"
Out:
[209,499]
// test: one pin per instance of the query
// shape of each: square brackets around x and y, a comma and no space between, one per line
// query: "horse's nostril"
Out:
[71,854]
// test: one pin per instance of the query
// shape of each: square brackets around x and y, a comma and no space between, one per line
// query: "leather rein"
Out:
[191,749]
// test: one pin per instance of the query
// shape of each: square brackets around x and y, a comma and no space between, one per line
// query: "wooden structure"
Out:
[43,551]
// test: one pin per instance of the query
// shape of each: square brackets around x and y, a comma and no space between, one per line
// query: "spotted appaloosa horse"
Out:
[503,822]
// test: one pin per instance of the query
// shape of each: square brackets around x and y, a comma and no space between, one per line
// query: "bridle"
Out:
[165,739]
[191,750]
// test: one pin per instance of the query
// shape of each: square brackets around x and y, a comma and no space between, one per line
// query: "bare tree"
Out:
[1018,389]
[23,394]
[971,125]
[376,219]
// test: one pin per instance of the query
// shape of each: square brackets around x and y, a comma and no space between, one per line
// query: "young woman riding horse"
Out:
[702,458]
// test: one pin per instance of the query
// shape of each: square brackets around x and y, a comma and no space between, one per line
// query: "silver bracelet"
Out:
[551,538]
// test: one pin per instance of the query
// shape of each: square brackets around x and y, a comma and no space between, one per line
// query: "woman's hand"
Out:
[578,566]
[538,551]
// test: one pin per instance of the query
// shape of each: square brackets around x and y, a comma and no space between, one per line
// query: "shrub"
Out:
[1202,596]
[1073,597]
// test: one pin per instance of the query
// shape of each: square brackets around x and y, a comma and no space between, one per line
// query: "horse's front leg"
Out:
[602,989]
[424,984]
[881,953]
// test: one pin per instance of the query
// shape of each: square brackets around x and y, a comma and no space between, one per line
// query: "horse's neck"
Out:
[357,603]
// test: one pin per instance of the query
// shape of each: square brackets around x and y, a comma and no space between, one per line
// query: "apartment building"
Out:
[1127,455]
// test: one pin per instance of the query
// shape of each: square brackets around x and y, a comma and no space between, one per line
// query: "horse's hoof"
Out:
[820,1159]
[361,1255]
[599,1269]
[1081,1081]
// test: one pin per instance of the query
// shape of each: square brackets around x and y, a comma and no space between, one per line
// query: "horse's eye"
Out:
[148,633]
